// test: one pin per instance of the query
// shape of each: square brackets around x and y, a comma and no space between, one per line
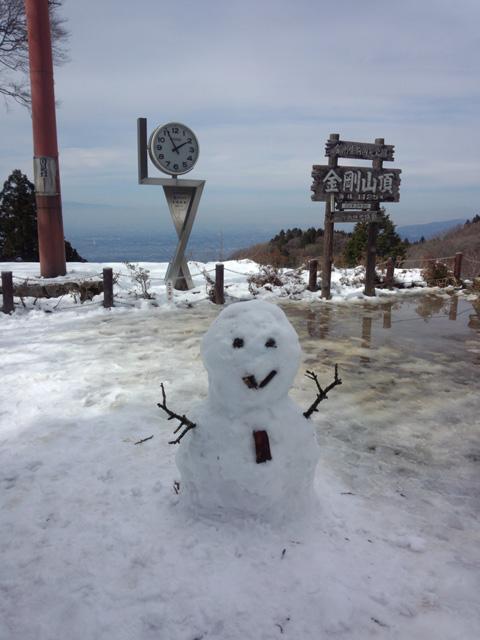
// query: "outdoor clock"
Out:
[173,148]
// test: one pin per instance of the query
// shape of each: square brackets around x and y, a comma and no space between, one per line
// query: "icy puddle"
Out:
[95,543]
[405,422]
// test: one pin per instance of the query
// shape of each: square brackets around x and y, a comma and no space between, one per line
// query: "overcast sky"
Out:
[263,83]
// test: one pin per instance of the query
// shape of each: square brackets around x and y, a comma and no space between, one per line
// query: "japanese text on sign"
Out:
[45,175]
[356,183]
[356,216]
[360,150]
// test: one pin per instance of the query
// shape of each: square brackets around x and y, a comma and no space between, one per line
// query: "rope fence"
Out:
[240,273]
[427,259]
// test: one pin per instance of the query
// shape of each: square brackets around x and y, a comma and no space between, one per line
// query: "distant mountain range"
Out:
[414,232]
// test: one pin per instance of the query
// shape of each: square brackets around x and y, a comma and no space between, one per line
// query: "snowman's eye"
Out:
[238,343]
[271,343]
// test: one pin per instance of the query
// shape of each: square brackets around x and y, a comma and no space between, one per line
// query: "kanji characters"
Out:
[332,181]
[368,184]
[351,179]
[386,182]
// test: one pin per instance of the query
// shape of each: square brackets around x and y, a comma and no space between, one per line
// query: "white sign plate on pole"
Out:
[358,206]
[356,216]
[45,175]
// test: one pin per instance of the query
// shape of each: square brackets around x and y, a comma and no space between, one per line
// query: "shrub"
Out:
[141,277]
[267,277]
[290,282]
[437,274]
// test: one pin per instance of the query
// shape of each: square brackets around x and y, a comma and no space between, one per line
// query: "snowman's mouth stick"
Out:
[252,383]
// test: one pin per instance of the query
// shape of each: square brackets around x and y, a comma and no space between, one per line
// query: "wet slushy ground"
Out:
[94,540]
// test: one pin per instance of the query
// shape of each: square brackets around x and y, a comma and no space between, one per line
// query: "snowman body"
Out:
[251,353]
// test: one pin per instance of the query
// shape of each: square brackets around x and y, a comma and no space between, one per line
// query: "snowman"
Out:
[250,449]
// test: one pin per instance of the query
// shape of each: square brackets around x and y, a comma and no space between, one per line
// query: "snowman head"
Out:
[251,353]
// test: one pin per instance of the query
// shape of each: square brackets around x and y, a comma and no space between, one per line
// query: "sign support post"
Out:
[372,237]
[328,229]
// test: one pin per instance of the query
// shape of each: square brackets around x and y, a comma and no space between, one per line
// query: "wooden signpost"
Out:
[353,194]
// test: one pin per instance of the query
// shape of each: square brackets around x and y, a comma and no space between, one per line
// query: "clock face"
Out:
[173,148]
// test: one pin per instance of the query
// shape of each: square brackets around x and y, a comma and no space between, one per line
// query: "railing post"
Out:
[7,292]
[219,279]
[108,287]
[390,272]
[457,268]
[312,276]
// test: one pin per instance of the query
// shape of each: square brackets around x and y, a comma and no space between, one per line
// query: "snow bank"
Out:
[346,285]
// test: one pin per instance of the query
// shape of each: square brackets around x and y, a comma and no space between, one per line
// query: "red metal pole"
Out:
[51,242]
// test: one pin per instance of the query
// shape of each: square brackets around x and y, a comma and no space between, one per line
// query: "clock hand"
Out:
[171,140]
[180,146]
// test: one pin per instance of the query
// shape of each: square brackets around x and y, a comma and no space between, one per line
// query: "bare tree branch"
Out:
[14,67]
[322,393]
[184,421]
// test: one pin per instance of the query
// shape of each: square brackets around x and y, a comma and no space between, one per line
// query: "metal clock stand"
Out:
[183,198]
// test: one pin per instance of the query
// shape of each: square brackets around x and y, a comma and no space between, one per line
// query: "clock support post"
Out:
[183,197]
[183,203]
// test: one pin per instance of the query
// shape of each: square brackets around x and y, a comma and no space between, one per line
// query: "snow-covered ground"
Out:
[96,544]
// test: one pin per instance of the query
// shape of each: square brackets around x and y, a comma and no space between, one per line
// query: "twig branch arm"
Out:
[321,393]
[184,421]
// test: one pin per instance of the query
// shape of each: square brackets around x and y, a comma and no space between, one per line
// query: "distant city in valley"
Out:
[205,244]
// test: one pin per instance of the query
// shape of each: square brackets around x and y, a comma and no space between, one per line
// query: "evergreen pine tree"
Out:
[389,242]
[18,221]
[355,247]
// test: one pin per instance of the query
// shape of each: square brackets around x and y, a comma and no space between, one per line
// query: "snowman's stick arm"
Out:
[186,430]
[322,393]
[184,421]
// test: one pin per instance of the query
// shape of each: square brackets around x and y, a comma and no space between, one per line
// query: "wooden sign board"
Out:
[357,216]
[355,184]
[360,150]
